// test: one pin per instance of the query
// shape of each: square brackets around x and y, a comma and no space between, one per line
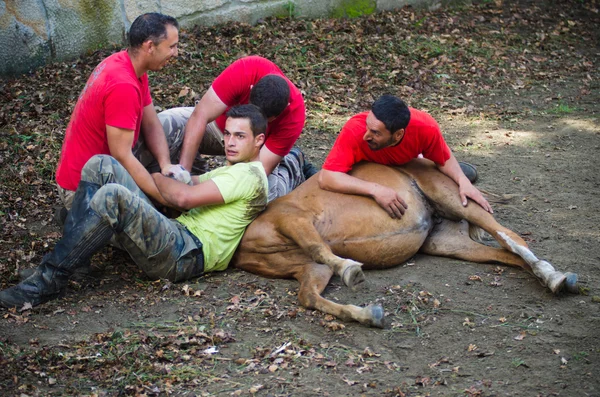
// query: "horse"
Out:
[311,234]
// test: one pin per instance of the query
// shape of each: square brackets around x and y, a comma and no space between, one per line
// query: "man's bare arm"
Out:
[386,197]
[185,197]
[154,137]
[465,187]
[119,144]
[269,159]
[208,109]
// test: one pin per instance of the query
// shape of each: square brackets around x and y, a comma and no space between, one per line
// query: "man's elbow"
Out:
[321,180]
[326,180]
[184,201]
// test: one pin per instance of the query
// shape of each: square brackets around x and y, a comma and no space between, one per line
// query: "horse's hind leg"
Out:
[313,279]
[299,228]
[443,194]
[451,239]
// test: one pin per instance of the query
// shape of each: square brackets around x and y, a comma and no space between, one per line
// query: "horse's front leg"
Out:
[300,228]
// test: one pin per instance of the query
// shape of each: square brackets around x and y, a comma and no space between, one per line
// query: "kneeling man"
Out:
[109,207]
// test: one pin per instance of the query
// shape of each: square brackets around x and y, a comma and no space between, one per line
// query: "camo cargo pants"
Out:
[161,247]
[284,178]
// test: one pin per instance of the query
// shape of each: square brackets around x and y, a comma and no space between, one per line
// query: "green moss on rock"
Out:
[354,8]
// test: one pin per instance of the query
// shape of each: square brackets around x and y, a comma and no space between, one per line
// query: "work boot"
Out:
[79,274]
[75,249]
[307,168]
[469,170]
[60,216]
[65,219]
[81,202]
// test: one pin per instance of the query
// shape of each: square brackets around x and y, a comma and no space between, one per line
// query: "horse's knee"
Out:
[307,298]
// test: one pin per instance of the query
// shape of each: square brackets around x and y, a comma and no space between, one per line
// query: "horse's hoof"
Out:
[571,283]
[377,316]
[353,276]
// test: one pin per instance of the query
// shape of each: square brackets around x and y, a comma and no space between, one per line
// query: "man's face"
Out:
[165,50]
[377,136]
[240,144]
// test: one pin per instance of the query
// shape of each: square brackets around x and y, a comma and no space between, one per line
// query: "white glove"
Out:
[177,172]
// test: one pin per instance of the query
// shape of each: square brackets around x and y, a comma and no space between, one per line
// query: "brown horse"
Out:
[308,233]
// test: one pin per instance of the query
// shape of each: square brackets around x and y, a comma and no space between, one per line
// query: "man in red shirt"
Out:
[392,134]
[115,106]
[255,80]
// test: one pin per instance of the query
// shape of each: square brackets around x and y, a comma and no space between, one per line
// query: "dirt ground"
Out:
[525,111]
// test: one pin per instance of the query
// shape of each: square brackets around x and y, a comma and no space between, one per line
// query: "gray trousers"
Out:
[282,180]
[161,247]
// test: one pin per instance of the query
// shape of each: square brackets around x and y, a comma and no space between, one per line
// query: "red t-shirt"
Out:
[422,136]
[233,85]
[113,95]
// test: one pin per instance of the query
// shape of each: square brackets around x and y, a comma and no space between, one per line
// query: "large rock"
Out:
[33,32]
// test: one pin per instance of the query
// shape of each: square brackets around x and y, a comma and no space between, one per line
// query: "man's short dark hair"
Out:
[392,112]
[258,121]
[150,26]
[272,94]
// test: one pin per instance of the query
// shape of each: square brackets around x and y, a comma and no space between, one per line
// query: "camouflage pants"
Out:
[161,247]
[282,180]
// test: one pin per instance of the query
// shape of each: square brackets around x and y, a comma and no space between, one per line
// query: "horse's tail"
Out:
[476,233]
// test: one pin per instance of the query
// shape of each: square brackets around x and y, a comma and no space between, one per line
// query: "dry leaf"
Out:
[184,91]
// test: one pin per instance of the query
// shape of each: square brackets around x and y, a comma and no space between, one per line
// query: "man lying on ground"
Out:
[108,207]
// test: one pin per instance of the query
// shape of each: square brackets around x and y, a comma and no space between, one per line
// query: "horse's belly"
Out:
[369,235]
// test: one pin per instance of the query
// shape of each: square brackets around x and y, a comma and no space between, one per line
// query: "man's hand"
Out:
[177,172]
[390,201]
[467,190]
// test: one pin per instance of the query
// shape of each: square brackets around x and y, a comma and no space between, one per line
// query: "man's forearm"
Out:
[194,133]
[340,182]
[142,178]
[452,169]
[169,189]
[185,197]
[157,145]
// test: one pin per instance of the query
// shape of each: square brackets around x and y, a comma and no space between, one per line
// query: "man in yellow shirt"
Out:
[109,207]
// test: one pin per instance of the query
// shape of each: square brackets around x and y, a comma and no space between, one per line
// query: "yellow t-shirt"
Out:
[220,227]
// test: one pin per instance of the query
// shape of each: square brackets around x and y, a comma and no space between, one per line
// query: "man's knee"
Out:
[97,166]
[109,199]
[175,119]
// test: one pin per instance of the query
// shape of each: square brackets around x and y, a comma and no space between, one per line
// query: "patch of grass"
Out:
[562,108]
[580,356]
[432,48]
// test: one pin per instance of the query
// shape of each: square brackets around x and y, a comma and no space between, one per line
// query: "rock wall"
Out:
[34,32]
